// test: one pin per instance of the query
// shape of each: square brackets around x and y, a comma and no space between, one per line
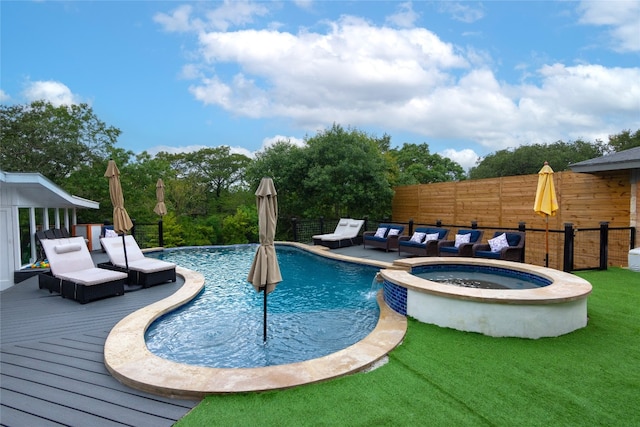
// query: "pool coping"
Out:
[127,358]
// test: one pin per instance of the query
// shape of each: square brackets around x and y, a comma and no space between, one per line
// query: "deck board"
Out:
[51,362]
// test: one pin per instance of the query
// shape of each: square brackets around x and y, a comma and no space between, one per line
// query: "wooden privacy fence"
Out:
[585,201]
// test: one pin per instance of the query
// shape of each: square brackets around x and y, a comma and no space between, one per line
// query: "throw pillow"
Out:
[417,237]
[498,243]
[380,232]
[462,238]
[110,233]
[393,232]
[433,236]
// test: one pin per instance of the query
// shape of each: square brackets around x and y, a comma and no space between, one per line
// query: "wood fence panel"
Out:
[584,200]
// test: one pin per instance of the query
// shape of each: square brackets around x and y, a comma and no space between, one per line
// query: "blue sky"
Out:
[468,78]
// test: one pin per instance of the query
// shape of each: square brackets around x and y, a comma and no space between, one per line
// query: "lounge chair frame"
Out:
[90,284]
[142,270]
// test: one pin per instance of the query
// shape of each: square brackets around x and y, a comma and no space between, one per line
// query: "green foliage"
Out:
[624,140]
[241,227]
[337,173]
[54,141]
[528,159]
[416,165]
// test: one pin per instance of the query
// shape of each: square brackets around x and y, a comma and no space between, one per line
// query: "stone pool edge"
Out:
[127,358]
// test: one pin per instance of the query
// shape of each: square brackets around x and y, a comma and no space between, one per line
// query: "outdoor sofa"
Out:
[347,233]
[143,271]
[385,237]
[423,242]
[504,245]
[461,245]
[73,273]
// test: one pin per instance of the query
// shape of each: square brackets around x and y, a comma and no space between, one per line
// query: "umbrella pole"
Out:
[546,255]
[264,323]
[124,247]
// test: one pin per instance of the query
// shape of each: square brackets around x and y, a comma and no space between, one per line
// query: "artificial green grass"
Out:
[445,377]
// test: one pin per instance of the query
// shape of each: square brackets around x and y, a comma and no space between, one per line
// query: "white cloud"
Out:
[55,92]
[230,13]
[405,17]
[621,17]
[463,12]
[268,142]
[4,97]
[359,74]
[466,158]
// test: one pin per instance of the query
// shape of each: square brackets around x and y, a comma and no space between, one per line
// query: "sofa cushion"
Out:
[417,237]
[434,236]
[381,232]
[461,239]
[498,243]
[487,254]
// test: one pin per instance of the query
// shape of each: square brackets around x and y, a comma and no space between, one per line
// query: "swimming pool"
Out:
[320,307]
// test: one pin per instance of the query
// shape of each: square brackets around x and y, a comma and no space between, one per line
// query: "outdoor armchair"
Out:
[509,248]
[385,237]
[461,245]
[423,242]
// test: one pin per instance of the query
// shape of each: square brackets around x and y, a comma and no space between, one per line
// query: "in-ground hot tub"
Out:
[556,307]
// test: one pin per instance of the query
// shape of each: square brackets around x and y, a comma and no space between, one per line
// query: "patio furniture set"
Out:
[428,241]
[73,274]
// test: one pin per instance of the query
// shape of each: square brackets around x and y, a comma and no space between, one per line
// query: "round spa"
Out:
[549,303]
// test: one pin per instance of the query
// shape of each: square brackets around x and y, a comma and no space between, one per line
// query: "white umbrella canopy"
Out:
[265,270]
[161,208]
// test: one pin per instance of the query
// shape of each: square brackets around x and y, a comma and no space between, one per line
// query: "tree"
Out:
[528,159]
[54,141]
[624,140]
[416,165]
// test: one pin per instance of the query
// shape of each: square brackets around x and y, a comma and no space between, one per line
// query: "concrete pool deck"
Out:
[127,358]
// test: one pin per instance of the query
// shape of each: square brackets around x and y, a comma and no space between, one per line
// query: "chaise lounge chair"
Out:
[385,237]
[508,248]
[347,233]
[461,245]
[73,273]
[142,271]
[423,242]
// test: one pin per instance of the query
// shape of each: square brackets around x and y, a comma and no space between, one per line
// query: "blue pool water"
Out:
[320,307]
[482,277]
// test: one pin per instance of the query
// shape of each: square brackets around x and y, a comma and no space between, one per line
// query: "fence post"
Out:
[568,247]
[294,223]
[438,223]
[160,234]
[523,229]
[321,225]
[366,223]
[632,238]
[474,225]
[133,229]
[604,244]
[410,226]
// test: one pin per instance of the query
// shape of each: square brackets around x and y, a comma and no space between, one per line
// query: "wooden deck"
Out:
[51,362]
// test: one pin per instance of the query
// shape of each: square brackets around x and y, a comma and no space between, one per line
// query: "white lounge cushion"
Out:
[92,276]
[135,257]
[352,230]
[63,249]
[498,243]
[150,265]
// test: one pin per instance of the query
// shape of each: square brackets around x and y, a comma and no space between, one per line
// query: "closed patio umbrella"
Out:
[161,208]
[121,221]
[265,271]
[546,203]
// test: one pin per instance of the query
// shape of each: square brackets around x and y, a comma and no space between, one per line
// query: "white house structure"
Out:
[30,200]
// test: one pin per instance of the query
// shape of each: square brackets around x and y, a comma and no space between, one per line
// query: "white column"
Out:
[32,233]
